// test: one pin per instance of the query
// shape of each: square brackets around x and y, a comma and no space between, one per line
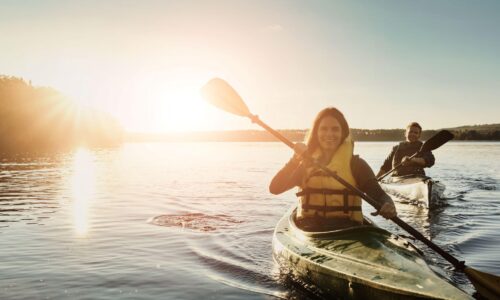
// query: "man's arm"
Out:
[424,160]
[429,159]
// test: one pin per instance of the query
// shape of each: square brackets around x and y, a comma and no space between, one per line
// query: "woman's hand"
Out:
[388,211]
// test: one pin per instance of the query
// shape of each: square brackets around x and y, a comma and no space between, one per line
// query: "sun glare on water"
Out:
[82,190]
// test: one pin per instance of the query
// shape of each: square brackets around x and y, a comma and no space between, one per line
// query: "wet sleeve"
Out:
[288,177]
[367,182]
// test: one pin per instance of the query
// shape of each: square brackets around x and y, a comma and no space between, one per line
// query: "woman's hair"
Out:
[312,137]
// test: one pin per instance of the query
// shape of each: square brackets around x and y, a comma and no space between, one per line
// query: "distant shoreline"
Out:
[489,132]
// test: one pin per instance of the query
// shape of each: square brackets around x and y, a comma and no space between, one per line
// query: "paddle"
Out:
[433,143]
[222,95]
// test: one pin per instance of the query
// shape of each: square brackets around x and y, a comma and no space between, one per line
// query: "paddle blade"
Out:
[220,94]
[487,285]
[436,141]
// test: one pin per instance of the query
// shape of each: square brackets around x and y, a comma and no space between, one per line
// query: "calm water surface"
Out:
[81,225]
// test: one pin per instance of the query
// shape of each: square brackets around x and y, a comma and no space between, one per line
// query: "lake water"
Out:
[82,225]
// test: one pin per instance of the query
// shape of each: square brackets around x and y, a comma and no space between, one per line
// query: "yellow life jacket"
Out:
[323,196]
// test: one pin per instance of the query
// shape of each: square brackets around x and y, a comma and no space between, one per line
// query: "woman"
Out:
[323,201]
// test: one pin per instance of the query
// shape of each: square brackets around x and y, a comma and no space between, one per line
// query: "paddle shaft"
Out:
[396,167]
[255,119]
[455,262]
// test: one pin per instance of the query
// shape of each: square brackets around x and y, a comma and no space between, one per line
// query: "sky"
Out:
[382,63]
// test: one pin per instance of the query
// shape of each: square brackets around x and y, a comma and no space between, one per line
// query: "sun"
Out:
[182,109]
[170,101]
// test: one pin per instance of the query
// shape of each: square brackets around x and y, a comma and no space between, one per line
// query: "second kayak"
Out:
[419,190]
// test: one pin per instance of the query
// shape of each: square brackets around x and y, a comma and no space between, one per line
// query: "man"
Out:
[402,152]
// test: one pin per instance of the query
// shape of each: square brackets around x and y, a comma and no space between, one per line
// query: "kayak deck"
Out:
[362,262]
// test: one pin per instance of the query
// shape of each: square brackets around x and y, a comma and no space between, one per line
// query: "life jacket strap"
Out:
[323,208]
[308,191]
[346,208]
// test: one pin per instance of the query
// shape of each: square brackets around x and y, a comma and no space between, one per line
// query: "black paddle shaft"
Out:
[455,262]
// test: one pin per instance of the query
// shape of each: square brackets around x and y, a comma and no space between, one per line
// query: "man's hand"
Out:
[388,211]
[406,161]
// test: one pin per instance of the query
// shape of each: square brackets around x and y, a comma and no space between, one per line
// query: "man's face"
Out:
[412,134]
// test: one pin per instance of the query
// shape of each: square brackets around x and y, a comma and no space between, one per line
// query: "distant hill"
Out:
[482,128]
[40,119]
[486,132]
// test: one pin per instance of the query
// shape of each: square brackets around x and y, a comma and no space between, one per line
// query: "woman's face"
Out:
[329,133]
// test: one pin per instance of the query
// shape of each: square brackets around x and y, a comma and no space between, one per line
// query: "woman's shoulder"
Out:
[356,160]
[359,166]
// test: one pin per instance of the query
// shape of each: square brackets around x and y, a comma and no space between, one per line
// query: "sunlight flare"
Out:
[182,109]
[82,189]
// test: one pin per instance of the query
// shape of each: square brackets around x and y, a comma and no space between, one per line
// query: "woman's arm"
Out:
[291,174]
[367,182]
[288,177]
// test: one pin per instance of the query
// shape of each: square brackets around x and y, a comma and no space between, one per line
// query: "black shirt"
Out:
[407,149]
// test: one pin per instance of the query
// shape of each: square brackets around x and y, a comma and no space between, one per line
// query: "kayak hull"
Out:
[362,262]
[418,190]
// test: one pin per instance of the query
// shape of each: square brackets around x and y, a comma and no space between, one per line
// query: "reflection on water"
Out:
[75,225]
[29,189]
[82,184]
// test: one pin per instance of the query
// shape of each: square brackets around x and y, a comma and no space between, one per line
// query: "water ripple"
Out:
[195,221]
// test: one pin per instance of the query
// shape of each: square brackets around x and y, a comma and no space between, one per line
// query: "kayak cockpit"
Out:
[322,228]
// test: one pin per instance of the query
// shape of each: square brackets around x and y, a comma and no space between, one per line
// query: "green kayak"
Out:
[361,262]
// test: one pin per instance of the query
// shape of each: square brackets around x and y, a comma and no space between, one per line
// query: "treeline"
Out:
[487,133]
[40,119]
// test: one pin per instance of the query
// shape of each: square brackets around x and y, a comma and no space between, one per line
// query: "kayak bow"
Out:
[362,262]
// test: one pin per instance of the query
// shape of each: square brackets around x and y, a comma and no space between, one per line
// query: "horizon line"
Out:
[290,129]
